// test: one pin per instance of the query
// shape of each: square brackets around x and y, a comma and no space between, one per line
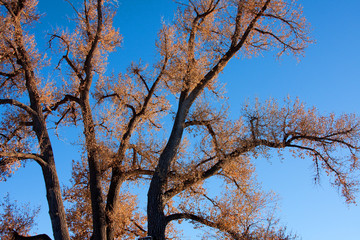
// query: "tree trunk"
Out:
[53,190]
[97,201]
[96,191]
[112,198]
[156,202]
[55,203]
[155,210]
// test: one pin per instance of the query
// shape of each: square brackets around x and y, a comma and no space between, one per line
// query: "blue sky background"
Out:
[327,77]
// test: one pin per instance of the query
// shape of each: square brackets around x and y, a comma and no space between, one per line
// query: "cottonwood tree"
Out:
[121,118]
[204,37]
[84,54]
[24,134]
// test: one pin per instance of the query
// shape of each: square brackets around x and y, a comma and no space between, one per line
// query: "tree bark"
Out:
[55,202]
[96,191]
[116,181]
[53,191]
[155,209]
[156,202]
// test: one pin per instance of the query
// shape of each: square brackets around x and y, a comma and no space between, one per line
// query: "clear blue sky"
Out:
[328,77]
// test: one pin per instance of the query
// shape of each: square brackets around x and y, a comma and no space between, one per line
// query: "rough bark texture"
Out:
[53,192]
[155,206]
[97,200]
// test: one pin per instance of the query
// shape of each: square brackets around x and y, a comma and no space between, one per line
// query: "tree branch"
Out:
[202,220]
[187,183]
[226,57]
[23,156]
[16,236]
[87,64]
[66,98]
[18,104]
[286,45]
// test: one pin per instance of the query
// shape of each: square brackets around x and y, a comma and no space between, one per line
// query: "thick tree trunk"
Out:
[155,210]
[97,201]
[156,202]
[112,198]
[55,203]
[53,190]
[96,191]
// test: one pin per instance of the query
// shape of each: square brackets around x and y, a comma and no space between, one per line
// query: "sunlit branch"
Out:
[202,220]
[12,134]
[11,8]
[86,83]
[226,57]
[132,108]
[288,22]
[192,36]
[23,156]
[205,161]
[192,181]
[138,172]
[151,92]
[139,151]
[237,185]
[74,9]
[74,68]
[9,75]
[213,202]
[66,99]
[66,56]
[136,71]
[236,35]
[326,139]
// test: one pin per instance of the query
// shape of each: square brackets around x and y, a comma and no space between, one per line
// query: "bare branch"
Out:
[202,220]
[23,156]
[66,99]
[18,104]
[285,45]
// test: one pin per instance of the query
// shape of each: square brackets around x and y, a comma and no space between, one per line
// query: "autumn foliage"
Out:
[162,127]
[16,218]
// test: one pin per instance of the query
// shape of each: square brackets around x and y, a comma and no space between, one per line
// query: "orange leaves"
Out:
[14,41]
[14,217]
[126,116]
[126,219]
[16,137]
[332,142]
